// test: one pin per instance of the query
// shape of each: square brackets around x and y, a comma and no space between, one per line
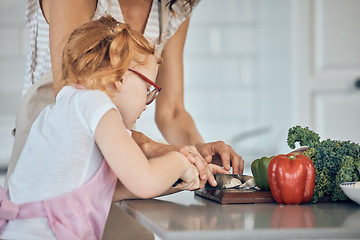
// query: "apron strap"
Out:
[10,210]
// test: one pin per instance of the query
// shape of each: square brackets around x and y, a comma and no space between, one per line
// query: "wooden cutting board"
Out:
[231,196]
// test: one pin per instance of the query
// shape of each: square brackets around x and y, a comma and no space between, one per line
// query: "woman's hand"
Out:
[212,151]
[221,154]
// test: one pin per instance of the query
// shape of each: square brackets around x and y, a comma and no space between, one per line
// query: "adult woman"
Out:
[50,24]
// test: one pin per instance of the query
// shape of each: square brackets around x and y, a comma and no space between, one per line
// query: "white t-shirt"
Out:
[60,155]
[38,55]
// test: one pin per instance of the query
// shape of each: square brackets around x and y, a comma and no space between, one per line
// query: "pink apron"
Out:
[80,214]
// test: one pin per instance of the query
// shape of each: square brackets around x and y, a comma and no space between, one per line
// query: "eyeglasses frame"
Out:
[157,87]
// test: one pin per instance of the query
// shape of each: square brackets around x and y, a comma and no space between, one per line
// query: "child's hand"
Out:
[190,179]
[215,169]
[205,172]
[154,149]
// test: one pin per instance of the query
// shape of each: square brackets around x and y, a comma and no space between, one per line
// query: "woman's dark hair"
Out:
[188,4]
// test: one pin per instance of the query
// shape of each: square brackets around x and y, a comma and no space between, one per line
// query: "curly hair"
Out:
[99,53]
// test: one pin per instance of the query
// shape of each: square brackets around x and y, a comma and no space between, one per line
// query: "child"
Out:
[62,188]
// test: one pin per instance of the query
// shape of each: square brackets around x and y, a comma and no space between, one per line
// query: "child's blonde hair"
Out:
[100,52]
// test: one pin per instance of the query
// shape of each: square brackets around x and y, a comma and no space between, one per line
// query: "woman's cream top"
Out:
[38,55]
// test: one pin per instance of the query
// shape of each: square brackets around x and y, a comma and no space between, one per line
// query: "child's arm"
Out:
[122,193]
[153,149]
[142,177]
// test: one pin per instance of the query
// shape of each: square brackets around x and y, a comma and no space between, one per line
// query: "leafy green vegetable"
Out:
[304,136]
[335,161]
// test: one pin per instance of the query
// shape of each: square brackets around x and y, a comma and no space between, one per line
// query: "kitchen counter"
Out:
[185,215]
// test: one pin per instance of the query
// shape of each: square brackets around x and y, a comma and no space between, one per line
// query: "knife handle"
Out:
[177,182]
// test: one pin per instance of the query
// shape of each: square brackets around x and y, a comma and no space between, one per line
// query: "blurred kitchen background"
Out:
[253,69]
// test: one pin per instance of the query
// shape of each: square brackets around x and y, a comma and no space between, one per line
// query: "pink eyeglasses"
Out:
[152,94]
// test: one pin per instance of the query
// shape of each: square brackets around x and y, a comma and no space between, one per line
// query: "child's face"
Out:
[130,98]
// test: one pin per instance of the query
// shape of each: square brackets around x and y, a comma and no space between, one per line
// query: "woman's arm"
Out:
[174,122]
[64,16]
[145,178]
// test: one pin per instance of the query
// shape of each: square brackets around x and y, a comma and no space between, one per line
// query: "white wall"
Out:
[220,78]
[12,67]
[236,74]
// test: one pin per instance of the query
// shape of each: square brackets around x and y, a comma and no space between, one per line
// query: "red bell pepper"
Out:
[291,178]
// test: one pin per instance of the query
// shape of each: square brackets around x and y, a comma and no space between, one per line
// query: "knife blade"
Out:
[226,181]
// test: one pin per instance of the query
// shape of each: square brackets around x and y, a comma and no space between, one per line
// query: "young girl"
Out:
[77,148]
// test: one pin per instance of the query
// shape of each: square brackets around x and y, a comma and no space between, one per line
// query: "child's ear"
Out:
[118,85]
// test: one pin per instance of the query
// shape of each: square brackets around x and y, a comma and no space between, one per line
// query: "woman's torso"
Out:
[38,56]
